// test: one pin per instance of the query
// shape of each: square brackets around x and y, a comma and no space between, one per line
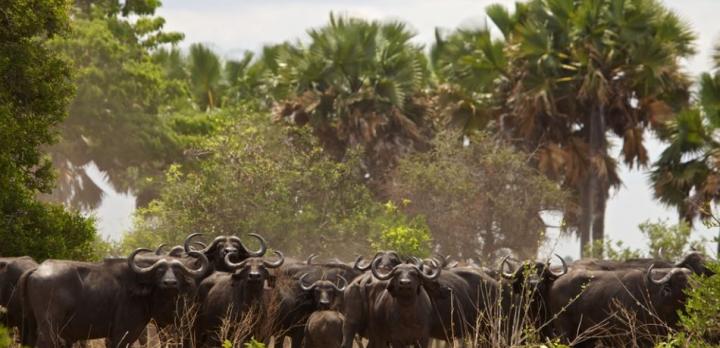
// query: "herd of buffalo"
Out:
[388,301]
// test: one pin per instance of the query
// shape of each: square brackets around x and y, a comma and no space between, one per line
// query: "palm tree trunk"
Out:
[585,223]
[590,214]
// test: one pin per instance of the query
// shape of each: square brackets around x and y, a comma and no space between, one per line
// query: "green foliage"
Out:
[115,119]
[254,344]
[665,241]
[34,93]
[580,70]
[686,176]
[467,63]
[476,198]
[356,83]
[255,177]
[673,240]
[5,339]
[701,319]
[409,237]
[611,250]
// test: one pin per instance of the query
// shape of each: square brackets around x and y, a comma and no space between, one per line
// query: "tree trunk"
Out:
[585,222]
[598,226]
[593,192]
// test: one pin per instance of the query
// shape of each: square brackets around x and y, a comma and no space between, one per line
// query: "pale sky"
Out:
[232,26]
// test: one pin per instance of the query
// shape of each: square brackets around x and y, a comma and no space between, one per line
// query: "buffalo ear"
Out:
[3,264]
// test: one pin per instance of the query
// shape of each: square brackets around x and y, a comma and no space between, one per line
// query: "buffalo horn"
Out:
[263,246]
[564,267]
[503,263]
[310,259]
[204,265]
[159,249]
[302,283]
[212,245]
[344,282]
[377,274]
[234,265]
[431,276]
[276,264]
[662,280]
[142,270]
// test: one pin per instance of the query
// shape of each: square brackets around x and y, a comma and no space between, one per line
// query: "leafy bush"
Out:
[478,197]
[256,177]
[665,241]
[407,236]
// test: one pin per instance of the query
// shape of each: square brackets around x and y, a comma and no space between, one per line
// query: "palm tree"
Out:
[466,63]
[578,70]
[356,83]
[205,76]
[687,174]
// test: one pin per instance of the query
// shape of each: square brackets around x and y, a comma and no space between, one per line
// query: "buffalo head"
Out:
[167,271]
[385,260]
[224,246]
[323,291]
[406,279]
[695,262]
[666,288]
[253,271]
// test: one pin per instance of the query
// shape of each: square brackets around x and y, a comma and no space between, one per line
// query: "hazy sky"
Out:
[232,26]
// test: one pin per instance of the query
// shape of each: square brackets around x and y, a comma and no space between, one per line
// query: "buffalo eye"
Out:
[666,291]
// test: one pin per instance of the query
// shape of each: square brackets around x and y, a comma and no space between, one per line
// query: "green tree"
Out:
[205,76]
[356,83]
[467,63]
[580,70]
[117,119]
[687,174]
[253,176]
[477,198]
[34,94]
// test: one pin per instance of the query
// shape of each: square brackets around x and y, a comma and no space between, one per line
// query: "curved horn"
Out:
[662,280]
[564,268]
[302,283]
[357,265]
[263,246]
[377,274]
[176,251]
[212,245]
[204,265]
[159,249]
[661,254]
[142,270]
[310,259]
[502,268]
[234,265]
[341,288]
[431,276]
[277,263]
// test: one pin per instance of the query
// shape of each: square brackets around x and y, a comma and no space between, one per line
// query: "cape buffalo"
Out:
[297,303]
[529,298]
[233,298]
[112,299]
[626,304]
[399,314]
[324,329]
[222,246]
[11,268]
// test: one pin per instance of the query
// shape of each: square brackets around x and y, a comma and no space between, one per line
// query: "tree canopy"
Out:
[35,89]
